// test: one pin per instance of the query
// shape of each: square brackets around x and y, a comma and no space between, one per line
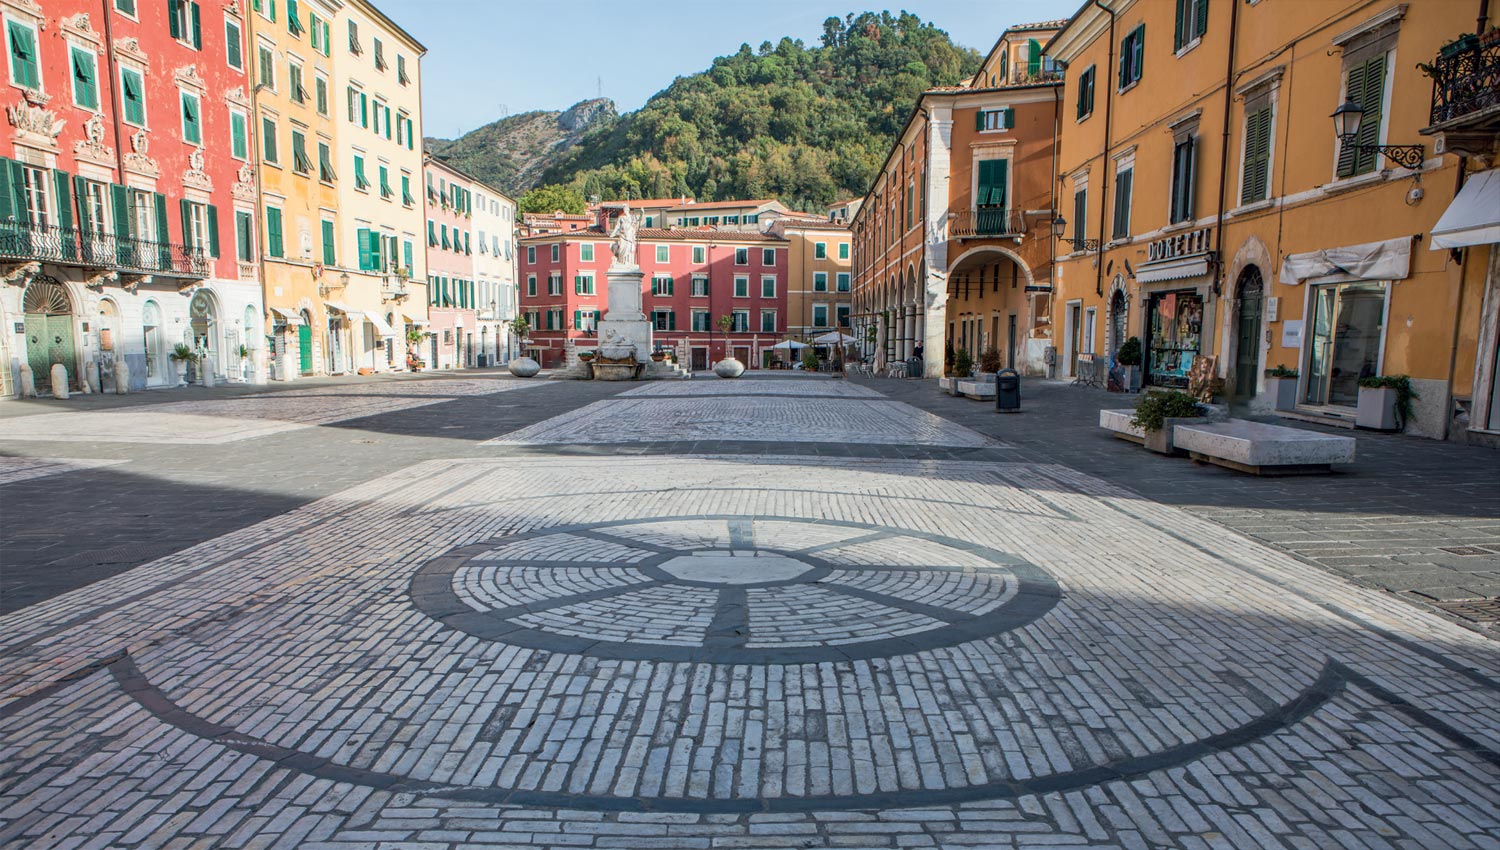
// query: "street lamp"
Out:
[1346,121]
[1060,227]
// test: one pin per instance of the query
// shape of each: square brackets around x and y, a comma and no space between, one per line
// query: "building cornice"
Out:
[1086,25]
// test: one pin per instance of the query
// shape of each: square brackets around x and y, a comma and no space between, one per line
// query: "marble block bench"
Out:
[1262,449]
[1118,422]
[976,389]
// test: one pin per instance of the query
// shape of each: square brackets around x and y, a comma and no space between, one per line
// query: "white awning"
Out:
[1474,216]
[1388,260]
[416,323]
[834,338]
[789,344]
[288,316]
[381,328]
[1176,268]
[354,315]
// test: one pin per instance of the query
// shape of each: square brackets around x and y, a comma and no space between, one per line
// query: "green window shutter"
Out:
[1010,118]
[1257,156]
[173,25]
[979,120]
[161,218]
[330,253]
[239,144]
[1080,214]
[1373,103]
[1354,91]
[1200,19]
[1140,51]
[273,232]
[232,39]
[197,26]
[1179,30]
[432,239]
[213,231]
[85,79]
[577,318]
[64,201]
[406,253]
[1083,87]
[1033,57]
[81,192]
[377,254]
[365,261]
[23,58]
[364,110]
[135,102]
[124,226]
[185,209]
[243,238]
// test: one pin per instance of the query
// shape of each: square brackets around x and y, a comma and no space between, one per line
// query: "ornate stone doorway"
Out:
[49,331]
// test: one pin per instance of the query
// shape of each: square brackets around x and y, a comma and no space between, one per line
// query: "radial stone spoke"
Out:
[731,625]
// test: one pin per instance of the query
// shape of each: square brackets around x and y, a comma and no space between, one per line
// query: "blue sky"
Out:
[492,57]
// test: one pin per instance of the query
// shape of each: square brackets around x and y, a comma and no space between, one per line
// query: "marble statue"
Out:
[624,235]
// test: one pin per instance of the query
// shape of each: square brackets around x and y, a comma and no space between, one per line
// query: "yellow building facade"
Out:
[819,277]
[1209,207]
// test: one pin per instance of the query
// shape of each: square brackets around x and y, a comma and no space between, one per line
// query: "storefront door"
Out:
[1247,339]
[304,348]
[1348,322]
[1174,336]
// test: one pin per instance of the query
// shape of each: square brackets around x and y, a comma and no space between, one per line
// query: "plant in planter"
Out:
[1157,412]
[809,362]
[1385,402]
[182,354]
[963,364]
[1129,358]
[1281,386]
[989,360]
[585,356]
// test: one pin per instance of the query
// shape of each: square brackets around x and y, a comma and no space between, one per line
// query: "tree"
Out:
[547,199]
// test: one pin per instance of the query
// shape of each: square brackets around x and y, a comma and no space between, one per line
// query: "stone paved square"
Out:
[496,644]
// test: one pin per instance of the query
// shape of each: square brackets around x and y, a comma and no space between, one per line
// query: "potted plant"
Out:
[809,362]
[1281,386]
[963,364]
[182,354]
[658,355]
[586,356]
[989,361]
[729,367]
[1385,403]
[1157,413]
[1129,357]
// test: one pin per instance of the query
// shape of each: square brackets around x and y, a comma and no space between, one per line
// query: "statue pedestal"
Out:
[624,331]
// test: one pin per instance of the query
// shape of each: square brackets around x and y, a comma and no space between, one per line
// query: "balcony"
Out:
[984,223]
[1466,90]
[27,242]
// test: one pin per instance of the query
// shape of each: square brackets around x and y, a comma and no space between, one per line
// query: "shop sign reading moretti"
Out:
[1178,256]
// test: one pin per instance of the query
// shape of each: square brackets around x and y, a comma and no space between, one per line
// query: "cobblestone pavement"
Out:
[493,644]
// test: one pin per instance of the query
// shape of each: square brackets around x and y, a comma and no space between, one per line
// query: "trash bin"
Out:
[1008,391]
[914,367]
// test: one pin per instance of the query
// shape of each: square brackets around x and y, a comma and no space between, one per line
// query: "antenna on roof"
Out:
[599,84]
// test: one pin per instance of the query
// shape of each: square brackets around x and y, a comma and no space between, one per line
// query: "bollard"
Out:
[28,381]
[59,381]
[1008,391]
[122,377]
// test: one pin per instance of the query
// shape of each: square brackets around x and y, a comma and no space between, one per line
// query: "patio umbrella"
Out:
[789,344]
[835,338]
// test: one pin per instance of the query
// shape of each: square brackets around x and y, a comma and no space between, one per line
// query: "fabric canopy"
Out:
[381,328]
[350,314]
[1388,260]
[288,316]
[1176,268]
[1474,216]
[789,344]
[834,338]
[419,323]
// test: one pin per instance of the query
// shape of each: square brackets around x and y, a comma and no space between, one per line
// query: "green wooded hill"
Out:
[806,125]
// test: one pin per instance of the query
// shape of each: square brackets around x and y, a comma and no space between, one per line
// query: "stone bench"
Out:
[1262,449]
[1118,422]
[976,389]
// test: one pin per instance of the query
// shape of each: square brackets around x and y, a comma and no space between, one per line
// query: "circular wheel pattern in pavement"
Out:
[732,590]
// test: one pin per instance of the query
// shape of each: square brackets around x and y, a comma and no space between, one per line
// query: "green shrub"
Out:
[810,362]
[963,364]
[1129,353]
[989,361]
[1154,409]
[1404,393]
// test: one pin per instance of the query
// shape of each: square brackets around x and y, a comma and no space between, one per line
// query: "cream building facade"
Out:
[495,271]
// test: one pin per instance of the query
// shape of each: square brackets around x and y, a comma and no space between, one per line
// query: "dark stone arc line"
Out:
[1332,682]
[932,612]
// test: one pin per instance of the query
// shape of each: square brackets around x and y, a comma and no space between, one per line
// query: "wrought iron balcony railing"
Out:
[987,222]
[96,249]
[1465,79]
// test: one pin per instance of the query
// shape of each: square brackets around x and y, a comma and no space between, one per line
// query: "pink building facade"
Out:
[692,279]
[452,305]
[127,201]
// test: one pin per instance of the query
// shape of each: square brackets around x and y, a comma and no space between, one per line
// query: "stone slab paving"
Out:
[825,418]
[211,422]
[529,652]
[803,385]
[16,469]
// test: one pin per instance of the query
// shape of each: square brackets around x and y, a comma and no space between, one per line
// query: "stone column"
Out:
[933,303]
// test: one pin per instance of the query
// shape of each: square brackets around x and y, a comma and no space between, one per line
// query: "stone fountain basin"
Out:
[608,371]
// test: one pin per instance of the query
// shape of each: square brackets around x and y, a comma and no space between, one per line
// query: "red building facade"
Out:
[692,279]
[126,191]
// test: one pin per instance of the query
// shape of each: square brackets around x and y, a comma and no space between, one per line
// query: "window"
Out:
[85,78]
[406,197]
[293,17]
[1132,52]
[663,253]
[664,320]
[379,55]
[742,256]
[274,246]
[1080,217]
[554,283]
[741,286]
[1183,179]
[36,191]
[1365,85]
[531,255]
[531,286]
[300,161]
[768,321]
[183,19]
[268,141]
[330,255]
[741,320]
[586,252]
[768,256]
[843,250]
[320,87]
[700,254]
[294,80]
[325,163]
[354,45]
[239,135]
[266,60]
[990,191]
[1086,93]
[1123,178]
[820,315]
[244,236]
[443,236]
[768,286]
[361,182]
[386,191]
[700,320]
[820,250]
[820,281]
[133,97]
[369,243]
[197,232]
[556,252]
[661,284]
[1255,179]
[322,33]
[1192,23]
[583,284]
[843,281]
[401,70]
[233,48]
[842,314]
[700,287]
[990,120]
[126,6]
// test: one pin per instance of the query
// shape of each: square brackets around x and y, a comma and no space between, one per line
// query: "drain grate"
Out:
[1477,610]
